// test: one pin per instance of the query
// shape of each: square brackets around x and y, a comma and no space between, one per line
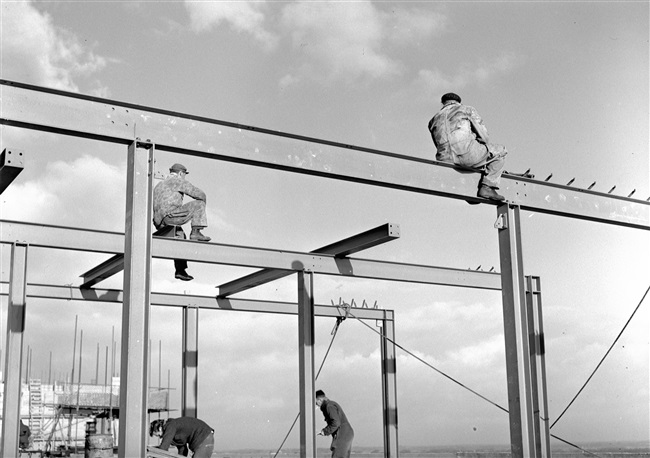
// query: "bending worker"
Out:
[461,138]
[169,210]
[338,426]
[186,434]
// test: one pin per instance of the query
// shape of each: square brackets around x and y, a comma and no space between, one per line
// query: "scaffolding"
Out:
[145,130]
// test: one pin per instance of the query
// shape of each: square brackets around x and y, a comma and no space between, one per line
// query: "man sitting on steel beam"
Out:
[169,210]
[461,138]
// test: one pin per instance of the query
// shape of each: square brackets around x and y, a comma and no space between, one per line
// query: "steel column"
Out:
[515,322]
[389,388]
[190,382]
[306,364]
[135,311]
[538,366]
[14,350]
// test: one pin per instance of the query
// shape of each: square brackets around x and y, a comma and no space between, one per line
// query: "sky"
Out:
[564,85]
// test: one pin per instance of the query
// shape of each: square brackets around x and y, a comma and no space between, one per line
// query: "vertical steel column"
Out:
[189,394]
[14,350]
[515,322]
[538,366]
[306,364]
[389,387]
[135,310]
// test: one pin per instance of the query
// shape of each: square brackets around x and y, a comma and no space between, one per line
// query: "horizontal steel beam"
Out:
[12,162]
[75,293]
[39,235]
[373,237]
[68,113]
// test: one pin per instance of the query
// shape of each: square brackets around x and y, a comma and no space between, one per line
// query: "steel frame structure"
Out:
[145,130]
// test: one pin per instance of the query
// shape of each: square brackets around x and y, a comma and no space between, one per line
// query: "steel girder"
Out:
[40,235]
[78,115]
[11,164]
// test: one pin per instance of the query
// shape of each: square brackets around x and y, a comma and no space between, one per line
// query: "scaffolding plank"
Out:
[68,113]
[373,237]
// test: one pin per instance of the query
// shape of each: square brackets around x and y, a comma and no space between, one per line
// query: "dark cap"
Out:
[320,393]
[178,168]
[450,96]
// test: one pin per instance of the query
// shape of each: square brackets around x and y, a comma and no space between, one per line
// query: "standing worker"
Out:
[461,138]
[169,210]
[186,434]
[338,426]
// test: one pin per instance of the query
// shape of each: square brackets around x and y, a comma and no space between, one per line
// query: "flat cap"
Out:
[178,168]
[450,96]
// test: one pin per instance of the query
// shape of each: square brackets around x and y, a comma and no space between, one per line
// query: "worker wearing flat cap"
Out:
[460,137]
[169,210]
[338,426]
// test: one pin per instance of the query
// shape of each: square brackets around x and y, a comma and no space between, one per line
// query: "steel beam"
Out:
[368,239]
[190,384]
[39,235]
[515,321]
[14,350]
[103,271]
[75,293]
[135,309]
[12,162]
[538,367]
[306,340]
[389,388]
[68,113]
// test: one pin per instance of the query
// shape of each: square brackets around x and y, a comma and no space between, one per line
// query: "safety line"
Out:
[457,382]
[339,320]
[603,359]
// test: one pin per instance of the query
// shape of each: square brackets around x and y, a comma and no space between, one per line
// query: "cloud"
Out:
[243,17]
[34,50]
[433,82]
[410,26]
[339,41]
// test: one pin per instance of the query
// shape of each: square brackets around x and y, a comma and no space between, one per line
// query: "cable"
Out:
[429,365]
[339,320]
[456,381]
[603,359]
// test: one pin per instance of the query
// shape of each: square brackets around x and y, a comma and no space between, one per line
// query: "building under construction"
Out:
[143,131]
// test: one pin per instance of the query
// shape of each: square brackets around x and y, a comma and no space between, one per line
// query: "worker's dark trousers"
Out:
[206,448]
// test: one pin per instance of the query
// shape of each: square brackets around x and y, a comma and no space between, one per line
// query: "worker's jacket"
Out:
[338,426]
[168,197]
[455,129]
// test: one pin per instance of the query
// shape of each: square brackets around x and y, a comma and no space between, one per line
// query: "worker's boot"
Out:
[488,192]
[183,275]
[196,235]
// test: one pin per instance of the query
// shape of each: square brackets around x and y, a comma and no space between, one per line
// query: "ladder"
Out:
[36,409]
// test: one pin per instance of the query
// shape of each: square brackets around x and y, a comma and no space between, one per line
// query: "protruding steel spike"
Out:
[491,269]
[592,185]
[610,191]
[548,177]
[571,181]
[630,194]
[479,266]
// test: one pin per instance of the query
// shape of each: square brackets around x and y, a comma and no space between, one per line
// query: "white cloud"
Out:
[243,16]
[433,82]
[34,50]
[408,26]
[339,40]
[86,192]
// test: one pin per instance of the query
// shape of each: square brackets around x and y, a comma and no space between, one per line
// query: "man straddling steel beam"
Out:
[461,138]
[169,211]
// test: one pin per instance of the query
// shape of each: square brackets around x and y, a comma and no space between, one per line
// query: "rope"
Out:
[339,320]
[603,359]
[429,365]
[457,382]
